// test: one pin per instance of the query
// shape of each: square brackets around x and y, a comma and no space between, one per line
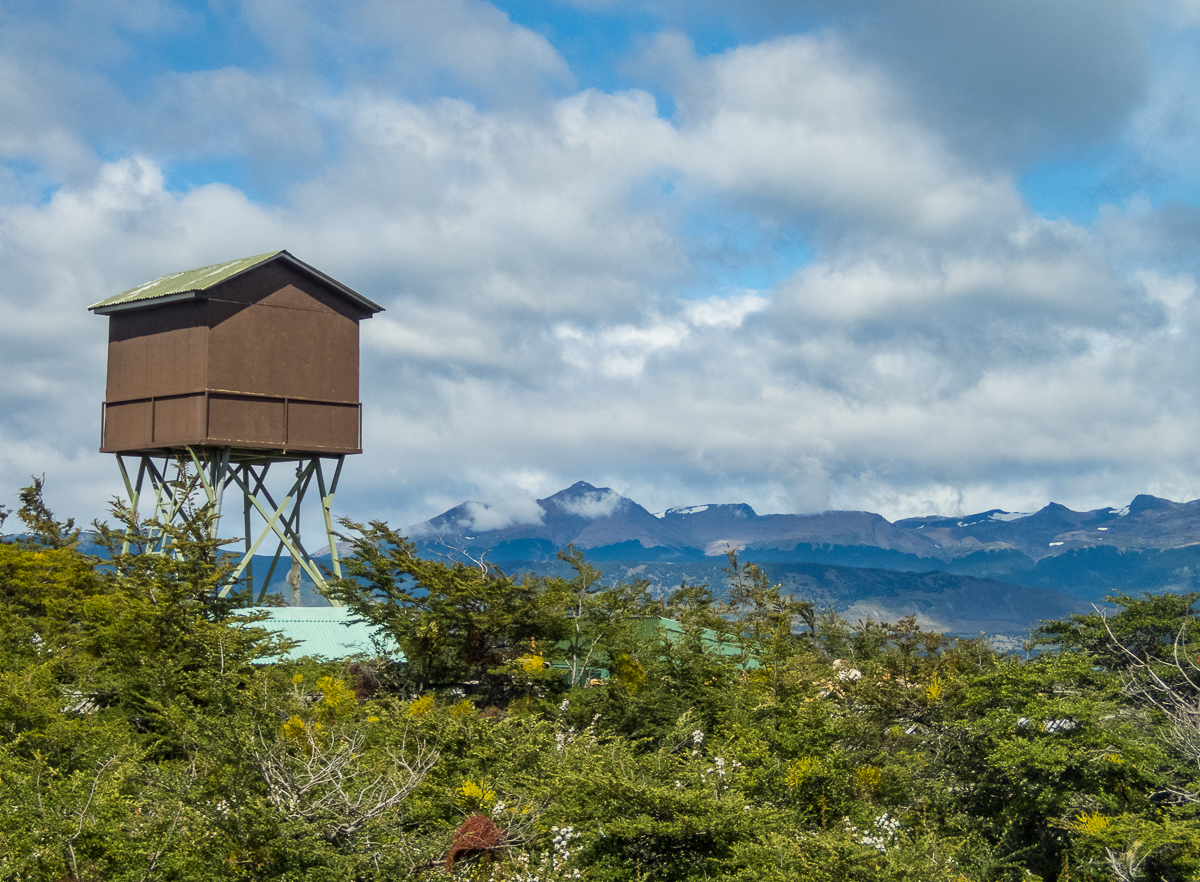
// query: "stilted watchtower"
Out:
[233,369]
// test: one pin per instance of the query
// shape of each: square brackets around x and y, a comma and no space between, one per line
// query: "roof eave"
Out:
[110,308]
[368,305]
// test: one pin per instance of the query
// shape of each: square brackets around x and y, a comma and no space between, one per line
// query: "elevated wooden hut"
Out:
[231,368]
[258,354]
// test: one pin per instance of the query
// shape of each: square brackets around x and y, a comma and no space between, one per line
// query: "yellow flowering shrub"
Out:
[421,706]
[629,673]
[475,796]
[299,733]
[1092,824]
[531,663]
[294,729]
[337,699]
[935,689]
[798,771]
[868,778]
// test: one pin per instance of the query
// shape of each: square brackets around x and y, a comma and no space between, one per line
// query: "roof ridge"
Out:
[178,285]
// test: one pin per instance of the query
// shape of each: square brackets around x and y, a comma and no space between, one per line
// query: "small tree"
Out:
[43,526]
[762,618]
[695,607]
[1147,629]
[454,622]
[607,623]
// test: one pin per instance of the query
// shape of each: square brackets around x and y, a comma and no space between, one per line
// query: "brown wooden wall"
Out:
[158,352]
[269,360]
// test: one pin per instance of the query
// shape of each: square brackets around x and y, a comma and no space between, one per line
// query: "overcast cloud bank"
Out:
[918,259]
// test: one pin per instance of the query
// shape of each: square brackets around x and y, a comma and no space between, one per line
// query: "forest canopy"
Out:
[549,728]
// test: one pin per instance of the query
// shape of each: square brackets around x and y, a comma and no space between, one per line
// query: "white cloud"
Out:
[1176,293]
[1164,132]
[800,124]
[412,45]
[231,112]
[620,351]
[505,513]
[725,311]
[600,504]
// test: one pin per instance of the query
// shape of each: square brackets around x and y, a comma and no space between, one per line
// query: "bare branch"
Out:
[1126,865]
[101,768]
[1180,704]
[326,782]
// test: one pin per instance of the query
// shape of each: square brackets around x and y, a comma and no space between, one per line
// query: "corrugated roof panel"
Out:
[187,281]
[320,630]
[710,638]
[176,285]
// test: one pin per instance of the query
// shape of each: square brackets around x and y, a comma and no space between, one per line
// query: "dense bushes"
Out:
[761,739]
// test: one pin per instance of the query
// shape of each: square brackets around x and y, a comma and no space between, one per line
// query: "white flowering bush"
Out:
[557,864]
[881,835]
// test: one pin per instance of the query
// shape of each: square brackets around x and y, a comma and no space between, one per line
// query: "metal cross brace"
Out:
[214,472]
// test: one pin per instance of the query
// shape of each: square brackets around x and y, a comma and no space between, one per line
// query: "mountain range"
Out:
[1000,569]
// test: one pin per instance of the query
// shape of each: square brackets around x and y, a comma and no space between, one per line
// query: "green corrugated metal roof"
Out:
[319,630]
[710,638]
[186,282]
[177,285]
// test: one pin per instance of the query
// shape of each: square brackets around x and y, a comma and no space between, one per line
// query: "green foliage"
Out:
[761,618]
[1141,628]
[695,608]
[758,738]
[453,621]
[607,625]
[37,517]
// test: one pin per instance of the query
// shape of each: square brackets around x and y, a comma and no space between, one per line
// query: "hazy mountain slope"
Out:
[956,604]
[1147,522]
[716,527]
[599,519]
[1152,544]
[588,516]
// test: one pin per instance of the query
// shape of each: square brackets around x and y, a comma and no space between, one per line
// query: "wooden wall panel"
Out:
[251,421]
[157,352]
[179,420]
[127,426]
[323,426]
[289,353]
[278,284]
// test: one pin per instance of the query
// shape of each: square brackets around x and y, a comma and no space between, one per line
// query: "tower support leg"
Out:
[211,472]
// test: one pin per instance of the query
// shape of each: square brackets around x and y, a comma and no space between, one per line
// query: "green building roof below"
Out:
[326,631]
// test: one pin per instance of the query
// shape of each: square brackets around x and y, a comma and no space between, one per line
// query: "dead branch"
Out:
[326,783]
[1179,703]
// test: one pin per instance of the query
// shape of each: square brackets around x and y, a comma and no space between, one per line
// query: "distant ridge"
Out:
[597,518]
[1151,544]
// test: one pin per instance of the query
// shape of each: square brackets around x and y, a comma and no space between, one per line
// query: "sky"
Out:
[916,257]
